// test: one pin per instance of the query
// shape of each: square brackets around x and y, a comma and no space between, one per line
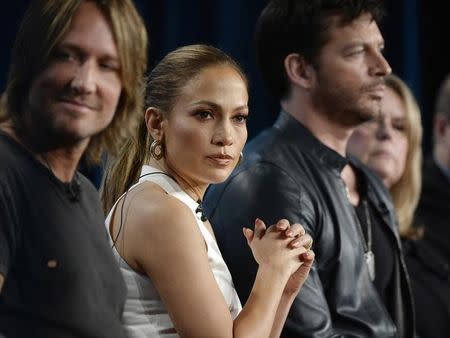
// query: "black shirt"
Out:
[61,279]
[382,243]
[382,248]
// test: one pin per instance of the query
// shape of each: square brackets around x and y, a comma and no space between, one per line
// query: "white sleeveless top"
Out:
[144,314]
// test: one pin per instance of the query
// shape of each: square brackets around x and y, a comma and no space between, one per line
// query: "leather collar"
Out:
[300,135]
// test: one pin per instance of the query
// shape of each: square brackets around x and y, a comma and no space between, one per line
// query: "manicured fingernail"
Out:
[308,254]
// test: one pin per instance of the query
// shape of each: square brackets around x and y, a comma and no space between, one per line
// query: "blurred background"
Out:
[416,34]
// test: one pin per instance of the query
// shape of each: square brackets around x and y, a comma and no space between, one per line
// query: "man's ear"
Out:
[154,122]
[299,72]
[439,127]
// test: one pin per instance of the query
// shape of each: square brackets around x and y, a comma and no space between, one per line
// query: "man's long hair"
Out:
[43,27]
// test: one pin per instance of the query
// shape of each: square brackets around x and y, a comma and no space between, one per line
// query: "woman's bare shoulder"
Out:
[152,209]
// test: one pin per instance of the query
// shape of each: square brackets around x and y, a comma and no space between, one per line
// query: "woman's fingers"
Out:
[294,233]
[305,241]
[295,230]
[248,233]
[282,225]
[308,258]
[260,228]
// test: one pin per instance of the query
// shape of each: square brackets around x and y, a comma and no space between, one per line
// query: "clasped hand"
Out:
[283,247]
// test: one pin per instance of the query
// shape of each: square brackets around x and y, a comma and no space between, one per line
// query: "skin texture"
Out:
[349,76]
[441,149]
[76,94]
[207,119]
[343,89]
[382,143]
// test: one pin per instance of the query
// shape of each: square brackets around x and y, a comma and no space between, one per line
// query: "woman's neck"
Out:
[194,189]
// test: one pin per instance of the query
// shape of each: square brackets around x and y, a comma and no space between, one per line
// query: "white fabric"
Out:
[144,314]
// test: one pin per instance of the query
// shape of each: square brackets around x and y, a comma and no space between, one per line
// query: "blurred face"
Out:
[350,72]
[206,130]
[76,94]
[382,143]
[441,150]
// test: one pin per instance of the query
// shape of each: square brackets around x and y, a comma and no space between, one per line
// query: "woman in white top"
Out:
[191,136]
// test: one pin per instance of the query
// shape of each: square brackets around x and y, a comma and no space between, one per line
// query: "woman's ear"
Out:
[153,121]
[299,72]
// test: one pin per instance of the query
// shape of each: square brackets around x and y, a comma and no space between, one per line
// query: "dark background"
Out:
[416,34]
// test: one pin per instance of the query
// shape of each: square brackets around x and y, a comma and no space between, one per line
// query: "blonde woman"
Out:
[391,146]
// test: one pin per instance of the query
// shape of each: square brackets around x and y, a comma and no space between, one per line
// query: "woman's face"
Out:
[382,143]
[206,129]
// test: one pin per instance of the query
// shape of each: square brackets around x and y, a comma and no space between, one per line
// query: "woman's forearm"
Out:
[281,314]
[257,316]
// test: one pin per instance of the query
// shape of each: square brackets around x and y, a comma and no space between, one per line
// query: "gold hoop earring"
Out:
[241,157]
[157,150]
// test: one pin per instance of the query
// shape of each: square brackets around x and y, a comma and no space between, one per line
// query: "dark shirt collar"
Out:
[297,132]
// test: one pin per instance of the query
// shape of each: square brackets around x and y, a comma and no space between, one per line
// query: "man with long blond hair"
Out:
[74,89]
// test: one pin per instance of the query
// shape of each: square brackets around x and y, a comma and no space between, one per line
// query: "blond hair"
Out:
[44,25]
[406,192]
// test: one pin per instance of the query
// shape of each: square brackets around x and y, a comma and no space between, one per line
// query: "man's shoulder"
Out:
[271,162]
[257,179]
[10,150]
[433,176]
[14,160]
[263,143]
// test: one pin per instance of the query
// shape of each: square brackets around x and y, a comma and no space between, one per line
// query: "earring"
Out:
[157,150]
[241,157]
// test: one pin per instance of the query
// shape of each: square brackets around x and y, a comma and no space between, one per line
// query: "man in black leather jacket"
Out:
[323,60]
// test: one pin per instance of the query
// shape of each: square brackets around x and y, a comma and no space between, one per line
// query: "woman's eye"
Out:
[107,66]
[204,115]
[241,118]
[373,123]
[399,127]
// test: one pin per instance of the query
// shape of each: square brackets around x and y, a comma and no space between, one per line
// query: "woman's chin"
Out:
[219,177]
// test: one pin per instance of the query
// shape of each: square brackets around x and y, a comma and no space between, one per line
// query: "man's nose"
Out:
[83,81]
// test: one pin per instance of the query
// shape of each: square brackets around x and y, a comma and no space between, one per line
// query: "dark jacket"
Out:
[288,173]
[428,259]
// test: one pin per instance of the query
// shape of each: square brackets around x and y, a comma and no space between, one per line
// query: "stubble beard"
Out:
[345,110]
[45,133]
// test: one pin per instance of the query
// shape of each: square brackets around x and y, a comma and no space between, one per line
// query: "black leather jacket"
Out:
[288,173]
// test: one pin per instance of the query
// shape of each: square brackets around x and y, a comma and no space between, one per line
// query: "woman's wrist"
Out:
[277,272]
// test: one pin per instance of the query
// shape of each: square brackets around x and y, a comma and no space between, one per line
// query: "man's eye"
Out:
[63,55]
[355,52]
